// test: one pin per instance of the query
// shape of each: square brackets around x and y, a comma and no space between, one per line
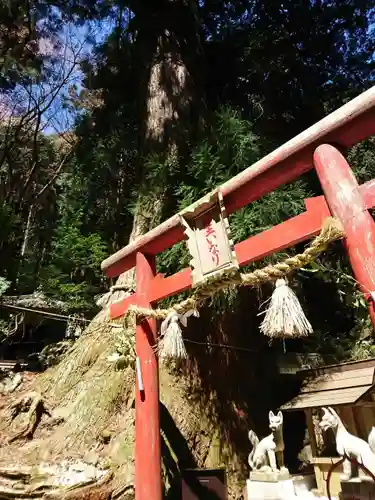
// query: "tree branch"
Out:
[55,175]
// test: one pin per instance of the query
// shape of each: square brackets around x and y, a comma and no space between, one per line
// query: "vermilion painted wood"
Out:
[367,191]
[278,238]
[346,126]
[148,477]
[346,203]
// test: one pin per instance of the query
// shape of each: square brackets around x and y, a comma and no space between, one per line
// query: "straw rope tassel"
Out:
[172,344]
[285,317]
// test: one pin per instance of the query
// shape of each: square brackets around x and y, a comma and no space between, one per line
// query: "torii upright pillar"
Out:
[345,201]
[148,480]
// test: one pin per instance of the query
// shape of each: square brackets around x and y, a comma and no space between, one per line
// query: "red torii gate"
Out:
[344,198]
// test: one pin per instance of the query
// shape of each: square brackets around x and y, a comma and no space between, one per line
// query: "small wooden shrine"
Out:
[349,388]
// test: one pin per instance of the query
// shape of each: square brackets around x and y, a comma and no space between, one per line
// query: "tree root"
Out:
[127,489]
[34,405]
[15,483]
[14,494]
[99,490]
[90,490]
[14,474]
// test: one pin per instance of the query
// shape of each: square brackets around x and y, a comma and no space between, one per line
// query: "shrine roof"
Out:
[343,384]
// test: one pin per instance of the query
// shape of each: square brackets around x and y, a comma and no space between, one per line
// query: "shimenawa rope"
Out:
[331,231]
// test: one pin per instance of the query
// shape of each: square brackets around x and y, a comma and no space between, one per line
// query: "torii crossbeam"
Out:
[317,147]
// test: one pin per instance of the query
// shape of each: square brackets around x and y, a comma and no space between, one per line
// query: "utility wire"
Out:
[58,317]
[223,346]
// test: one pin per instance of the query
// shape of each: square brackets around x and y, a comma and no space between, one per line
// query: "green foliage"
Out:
[361,158]
[72,273]
[270,210]
[285,75]
[8,221]
[4,285]
[28,161]
[232,147]
[17,57]
[340,318]
[362,350]
[10,239]
[23,25]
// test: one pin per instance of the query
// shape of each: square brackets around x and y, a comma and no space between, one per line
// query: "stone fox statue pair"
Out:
[265,452]
[268,453]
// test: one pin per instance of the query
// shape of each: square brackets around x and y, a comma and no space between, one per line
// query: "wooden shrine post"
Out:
[148,479]
[345,201]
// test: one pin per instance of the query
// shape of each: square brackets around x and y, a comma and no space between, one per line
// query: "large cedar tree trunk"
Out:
[171,106]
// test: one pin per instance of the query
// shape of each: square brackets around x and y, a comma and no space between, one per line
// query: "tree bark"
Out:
[171,107]
[26,241]
[28,229]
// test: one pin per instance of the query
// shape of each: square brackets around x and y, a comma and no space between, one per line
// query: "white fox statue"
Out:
[263,455]
[348,445]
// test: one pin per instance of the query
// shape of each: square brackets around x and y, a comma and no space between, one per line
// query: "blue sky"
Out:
[74,44]
[83,38]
